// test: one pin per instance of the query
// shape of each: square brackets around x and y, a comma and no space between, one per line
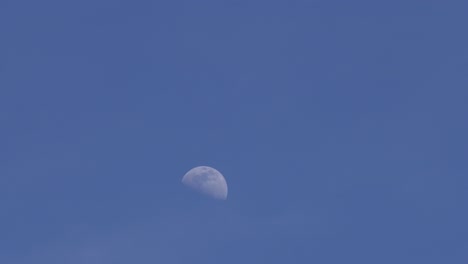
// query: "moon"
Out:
[208,181]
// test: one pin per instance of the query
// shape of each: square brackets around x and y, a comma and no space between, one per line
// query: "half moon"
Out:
[207,181]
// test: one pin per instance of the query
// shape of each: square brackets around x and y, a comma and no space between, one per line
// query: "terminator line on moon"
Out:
[208,181]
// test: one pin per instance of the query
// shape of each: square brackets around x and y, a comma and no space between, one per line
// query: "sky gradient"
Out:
[340,127]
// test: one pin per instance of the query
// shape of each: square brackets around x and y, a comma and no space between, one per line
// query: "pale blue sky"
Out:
[340,127]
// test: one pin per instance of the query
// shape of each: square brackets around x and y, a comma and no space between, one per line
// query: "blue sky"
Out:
[340,127]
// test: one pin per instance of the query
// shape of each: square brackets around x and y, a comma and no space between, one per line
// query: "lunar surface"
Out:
[207,181]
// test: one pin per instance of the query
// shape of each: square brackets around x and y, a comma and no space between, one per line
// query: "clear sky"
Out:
[340,127]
